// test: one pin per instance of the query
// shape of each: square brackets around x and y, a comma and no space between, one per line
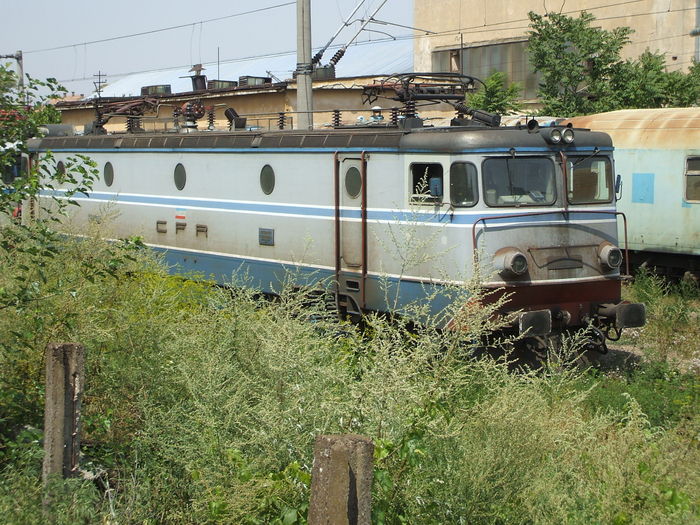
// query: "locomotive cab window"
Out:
[426,183]
[463,185]
[519,181]
[589,180]
[692,179]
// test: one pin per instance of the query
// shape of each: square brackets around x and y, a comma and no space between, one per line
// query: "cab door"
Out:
[351,229]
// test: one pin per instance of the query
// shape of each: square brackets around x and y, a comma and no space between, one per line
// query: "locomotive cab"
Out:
[548,235]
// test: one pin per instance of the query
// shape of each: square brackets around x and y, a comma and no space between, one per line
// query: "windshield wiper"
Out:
[596,150]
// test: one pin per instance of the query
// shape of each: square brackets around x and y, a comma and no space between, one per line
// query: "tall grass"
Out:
[672,332]
[202,405]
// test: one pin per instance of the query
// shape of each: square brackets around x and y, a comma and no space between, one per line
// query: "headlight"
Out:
[552,135]
[511,260]
[568,135]
[610,256]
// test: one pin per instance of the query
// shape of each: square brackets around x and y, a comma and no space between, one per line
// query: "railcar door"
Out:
[351,229]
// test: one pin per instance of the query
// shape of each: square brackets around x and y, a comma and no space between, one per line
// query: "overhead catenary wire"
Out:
[160,30]
[483,28]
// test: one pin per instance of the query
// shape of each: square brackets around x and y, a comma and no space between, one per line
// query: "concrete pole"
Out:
[20,67]
[65,366]
[305,102]
[341,481]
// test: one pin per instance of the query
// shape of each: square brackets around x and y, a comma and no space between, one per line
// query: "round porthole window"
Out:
[267,179]
[108,174]
[180,176]
[353,182]
[60,168]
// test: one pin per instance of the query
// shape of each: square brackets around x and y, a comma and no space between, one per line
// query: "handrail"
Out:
[565,213]
[336,191]
[363,212]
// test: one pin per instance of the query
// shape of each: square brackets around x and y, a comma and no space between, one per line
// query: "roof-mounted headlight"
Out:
[567,136]
[511,260]
[552,135]
[610,256]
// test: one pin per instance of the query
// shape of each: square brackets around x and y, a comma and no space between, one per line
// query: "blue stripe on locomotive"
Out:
[270,276]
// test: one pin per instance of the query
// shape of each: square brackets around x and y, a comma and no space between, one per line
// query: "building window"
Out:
[463,185]
[426,183]
[353,182]
[692,179]
[267,179]
[108,174]
[180,177]
[482,60]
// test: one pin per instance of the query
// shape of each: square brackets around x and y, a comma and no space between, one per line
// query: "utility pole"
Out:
[305,101]
[20,66]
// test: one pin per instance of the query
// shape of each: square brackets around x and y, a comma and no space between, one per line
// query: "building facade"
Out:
[478,37]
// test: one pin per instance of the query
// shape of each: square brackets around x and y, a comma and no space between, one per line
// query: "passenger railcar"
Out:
[657,153]
[354,205]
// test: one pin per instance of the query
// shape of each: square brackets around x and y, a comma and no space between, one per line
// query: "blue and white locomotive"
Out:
[387,213]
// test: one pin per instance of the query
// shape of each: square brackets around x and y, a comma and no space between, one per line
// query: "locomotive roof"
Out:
[449,139]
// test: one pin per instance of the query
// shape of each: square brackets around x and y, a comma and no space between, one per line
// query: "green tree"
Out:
[683,90]
[582,71]
[23,110]
[496,95]
[576,61]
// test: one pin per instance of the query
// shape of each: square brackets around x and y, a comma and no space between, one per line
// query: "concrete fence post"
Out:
[65,370]
[341,480]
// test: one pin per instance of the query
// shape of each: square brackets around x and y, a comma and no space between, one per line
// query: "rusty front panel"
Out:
[557,249]
[672,128]
[579,299]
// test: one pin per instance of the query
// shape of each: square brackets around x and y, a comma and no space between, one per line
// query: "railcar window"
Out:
[108,174]
[426,183]
[267,179]
[692,179]
[10,173]
[60,168]
[590,180]
[520,181]
[353,182]
[180,177]
[463,186]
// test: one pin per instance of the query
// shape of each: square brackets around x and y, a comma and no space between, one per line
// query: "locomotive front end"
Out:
[548,238]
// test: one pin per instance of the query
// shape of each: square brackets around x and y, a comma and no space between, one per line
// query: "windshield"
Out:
[590,180]
[521,181]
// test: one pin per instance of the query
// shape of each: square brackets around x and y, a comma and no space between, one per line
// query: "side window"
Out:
[426,183]
[180,177]
[267,179]
[353,182]
[108,174]
[463,185]
[9,173]
[590,180]
[692,179]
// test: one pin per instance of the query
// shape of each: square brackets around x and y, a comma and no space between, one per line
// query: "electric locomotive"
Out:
[388,213]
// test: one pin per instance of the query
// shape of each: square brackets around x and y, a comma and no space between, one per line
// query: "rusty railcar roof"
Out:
[667,128]
[453,139]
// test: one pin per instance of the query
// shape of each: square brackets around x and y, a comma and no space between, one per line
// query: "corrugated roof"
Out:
[362,59]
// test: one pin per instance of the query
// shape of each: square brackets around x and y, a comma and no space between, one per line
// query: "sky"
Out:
[33,26]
